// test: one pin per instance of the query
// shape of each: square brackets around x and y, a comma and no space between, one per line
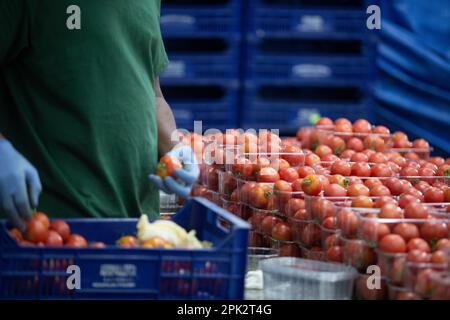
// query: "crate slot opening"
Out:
[197,45]
[300,47]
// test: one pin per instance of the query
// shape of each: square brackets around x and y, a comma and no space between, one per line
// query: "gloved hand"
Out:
[186,177]
[20,185]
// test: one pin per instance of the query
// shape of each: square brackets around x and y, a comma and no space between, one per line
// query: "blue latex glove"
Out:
[186,177]
[20,185]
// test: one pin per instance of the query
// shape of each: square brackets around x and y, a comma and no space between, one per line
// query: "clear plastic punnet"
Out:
[301,279]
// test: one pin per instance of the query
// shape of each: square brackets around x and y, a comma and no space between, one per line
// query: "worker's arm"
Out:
[168,144]
[166,122]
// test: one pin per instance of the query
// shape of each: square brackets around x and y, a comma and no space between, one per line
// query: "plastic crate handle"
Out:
[177,19]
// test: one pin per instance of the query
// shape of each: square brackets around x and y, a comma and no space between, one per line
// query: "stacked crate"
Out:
[202,39]
[306,57]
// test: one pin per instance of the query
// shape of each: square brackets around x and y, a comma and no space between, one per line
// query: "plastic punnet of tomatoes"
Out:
[321,207]
[417,275]
[305,232]
[401,293]
[237,208]
[285,248]
[313,253]
[209,177]
[288,203]
[363,291]
[330,237]
[392,266]
[263,221]
[358,254]
[440,286]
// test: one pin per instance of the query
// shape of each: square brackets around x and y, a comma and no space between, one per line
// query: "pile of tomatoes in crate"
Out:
[344,192]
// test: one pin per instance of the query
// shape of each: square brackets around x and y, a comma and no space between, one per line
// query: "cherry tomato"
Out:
[359,157]
[324,121]
[362,126]
[419,244]
[379,191]
[434,195]
[36,231]
[392,243]
[356,190]
[394,185]
[361,169]
[432,231]
[347,154]
[268,223]
[297,185]
[390,211]
[335,254]
[416,210]
[415,193]
[381,170]
[43,218]
[293,155]
[54,239]
[294,205]
[312,159]
[305,171]
[378,157]
[289,174]
[418,256]
[347,222]
[438,257]
[341,167]
[355,144]
[166,167]
[259,196]
[374,231]
[443,244]
[374,143]
[329,223]
[76,241]
[335,190]
[268,175]
[407,231]
[383,132]
[409,172]
[381,201]
[372,183]
[337,145]
[342,121]
[362,202]
[339,179]
[282,231]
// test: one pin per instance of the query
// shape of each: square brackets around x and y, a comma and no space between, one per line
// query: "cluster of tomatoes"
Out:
[344,192]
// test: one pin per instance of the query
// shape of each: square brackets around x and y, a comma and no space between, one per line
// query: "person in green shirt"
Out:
[81,110]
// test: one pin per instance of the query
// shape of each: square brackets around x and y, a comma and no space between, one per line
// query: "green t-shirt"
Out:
[80,104]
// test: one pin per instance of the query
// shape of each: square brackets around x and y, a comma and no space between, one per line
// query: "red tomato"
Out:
[305,171]
[416,210]
[312,159]
[324,121]
[332,240]
[294,205]
[361,169]
[421,144]
[311,234]
[394,167]
[422,186]
[362,202]
[347,154]
[443,244]
[432,231]
[337,144]
[343,128]
[166,167]
[282,231]
[438,257]
[415,193]
[374,143]
[268,223]
[297,185]
[392,243]
[329,158]
[359,157]
[407,231]
[329,223]
[400,161]
[362,126]
[426,172]
[443,170]
[322,209]
[54,239]
[335,190]
[394,185]
[378,157]
[43,218]
[419,244]
[335,254]
[341,167]
[390,211]
[372,183]
[383,132]
[269,175]
[282,186]
[437,160]
[374,231]
[347,222]
[356,190]
[409,172]
[434,195]
[381,170]
[379,191]
[418,256]
[289,174]
[381,201]
[342,121]
[312,185]
[405,200]
[293,155]
[36,231]
[98,245]
[76,241]
[355,144]
[243,167]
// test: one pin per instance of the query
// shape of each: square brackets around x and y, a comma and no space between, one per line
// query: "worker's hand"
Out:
[186,177]
[20,185]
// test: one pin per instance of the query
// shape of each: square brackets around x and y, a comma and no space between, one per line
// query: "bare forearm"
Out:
[166,123]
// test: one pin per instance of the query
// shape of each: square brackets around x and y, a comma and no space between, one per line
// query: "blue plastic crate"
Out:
[200,17]
[312,4]
[288,106]
[114,273]
[307,22]
[212,101]
[313,60]
[203,57]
